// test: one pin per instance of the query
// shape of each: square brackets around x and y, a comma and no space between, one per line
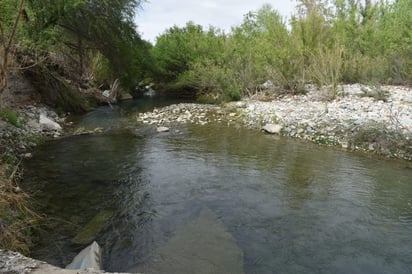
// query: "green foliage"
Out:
[82,29]
[10,116]
[327,43]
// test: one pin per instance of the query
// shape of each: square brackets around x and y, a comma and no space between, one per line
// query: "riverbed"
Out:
[215,198]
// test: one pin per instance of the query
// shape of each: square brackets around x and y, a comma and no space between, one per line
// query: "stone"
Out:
[266,85]
[92,228]
[89,257]
[162,129]
[126,96]
[272,128]
[202,246]
[47,123]
[241,104]
[13,262]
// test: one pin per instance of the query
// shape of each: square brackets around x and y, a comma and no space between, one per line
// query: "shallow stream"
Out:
[218,199]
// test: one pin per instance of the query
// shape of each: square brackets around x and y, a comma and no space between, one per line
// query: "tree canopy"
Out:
[325,43]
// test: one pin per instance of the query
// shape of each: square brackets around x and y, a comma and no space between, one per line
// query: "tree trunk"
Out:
[7,44]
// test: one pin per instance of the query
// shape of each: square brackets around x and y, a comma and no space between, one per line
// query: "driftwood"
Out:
[112,93]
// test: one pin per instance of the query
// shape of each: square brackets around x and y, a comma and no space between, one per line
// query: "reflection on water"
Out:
[286,206]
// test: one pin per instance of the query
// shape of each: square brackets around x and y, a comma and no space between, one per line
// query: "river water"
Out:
[214,199]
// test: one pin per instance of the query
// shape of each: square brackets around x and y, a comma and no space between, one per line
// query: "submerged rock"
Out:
[162,129]
[92,228]
[203,246]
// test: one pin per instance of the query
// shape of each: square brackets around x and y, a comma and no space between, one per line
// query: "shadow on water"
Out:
[278,206]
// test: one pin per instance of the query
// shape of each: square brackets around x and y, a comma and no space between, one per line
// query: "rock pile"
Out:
[342,120]
[360,117]
[33,123]
[181,114]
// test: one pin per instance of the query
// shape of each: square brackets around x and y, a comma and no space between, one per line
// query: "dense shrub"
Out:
[324,44]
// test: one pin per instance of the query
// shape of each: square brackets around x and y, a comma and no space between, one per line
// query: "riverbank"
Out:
[15,263]
[354,120]
[376,120]
[21,129]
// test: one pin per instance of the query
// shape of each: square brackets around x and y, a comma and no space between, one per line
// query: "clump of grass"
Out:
[384,141]
[376,92]
[11,117]
[17,220]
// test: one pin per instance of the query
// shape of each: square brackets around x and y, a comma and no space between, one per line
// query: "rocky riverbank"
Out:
[15,263]
[20,131]
[359,118]
[22,128]
[377,120]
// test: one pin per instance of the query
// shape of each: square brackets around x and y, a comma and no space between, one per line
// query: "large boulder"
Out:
[47,124]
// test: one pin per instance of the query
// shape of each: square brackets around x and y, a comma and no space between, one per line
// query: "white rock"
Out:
[241,104]
[162,129]
[48,124]
[272,128]
[90,257]
[345,145]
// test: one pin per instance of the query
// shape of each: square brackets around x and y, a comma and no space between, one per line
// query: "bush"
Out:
[326,68]
[326,44]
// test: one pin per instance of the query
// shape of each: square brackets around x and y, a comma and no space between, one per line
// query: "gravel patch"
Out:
[359,118]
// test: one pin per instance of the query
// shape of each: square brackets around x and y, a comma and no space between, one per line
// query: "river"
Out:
[218,199]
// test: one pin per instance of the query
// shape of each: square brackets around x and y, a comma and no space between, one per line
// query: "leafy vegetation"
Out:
[10,116]
[82,44]
[62,47]
[326,43]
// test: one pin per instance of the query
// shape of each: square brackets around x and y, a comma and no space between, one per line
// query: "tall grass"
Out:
[16,217]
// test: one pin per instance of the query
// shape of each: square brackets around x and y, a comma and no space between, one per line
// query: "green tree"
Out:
[82,25]
[9,23]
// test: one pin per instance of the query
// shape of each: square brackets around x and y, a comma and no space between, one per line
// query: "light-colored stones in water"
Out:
[92,228]
[272,128]
[126,96]
[345,145]
[302,116]
[162,129]
[202,246]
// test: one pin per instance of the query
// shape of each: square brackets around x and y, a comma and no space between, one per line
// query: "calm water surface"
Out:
[275,205]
